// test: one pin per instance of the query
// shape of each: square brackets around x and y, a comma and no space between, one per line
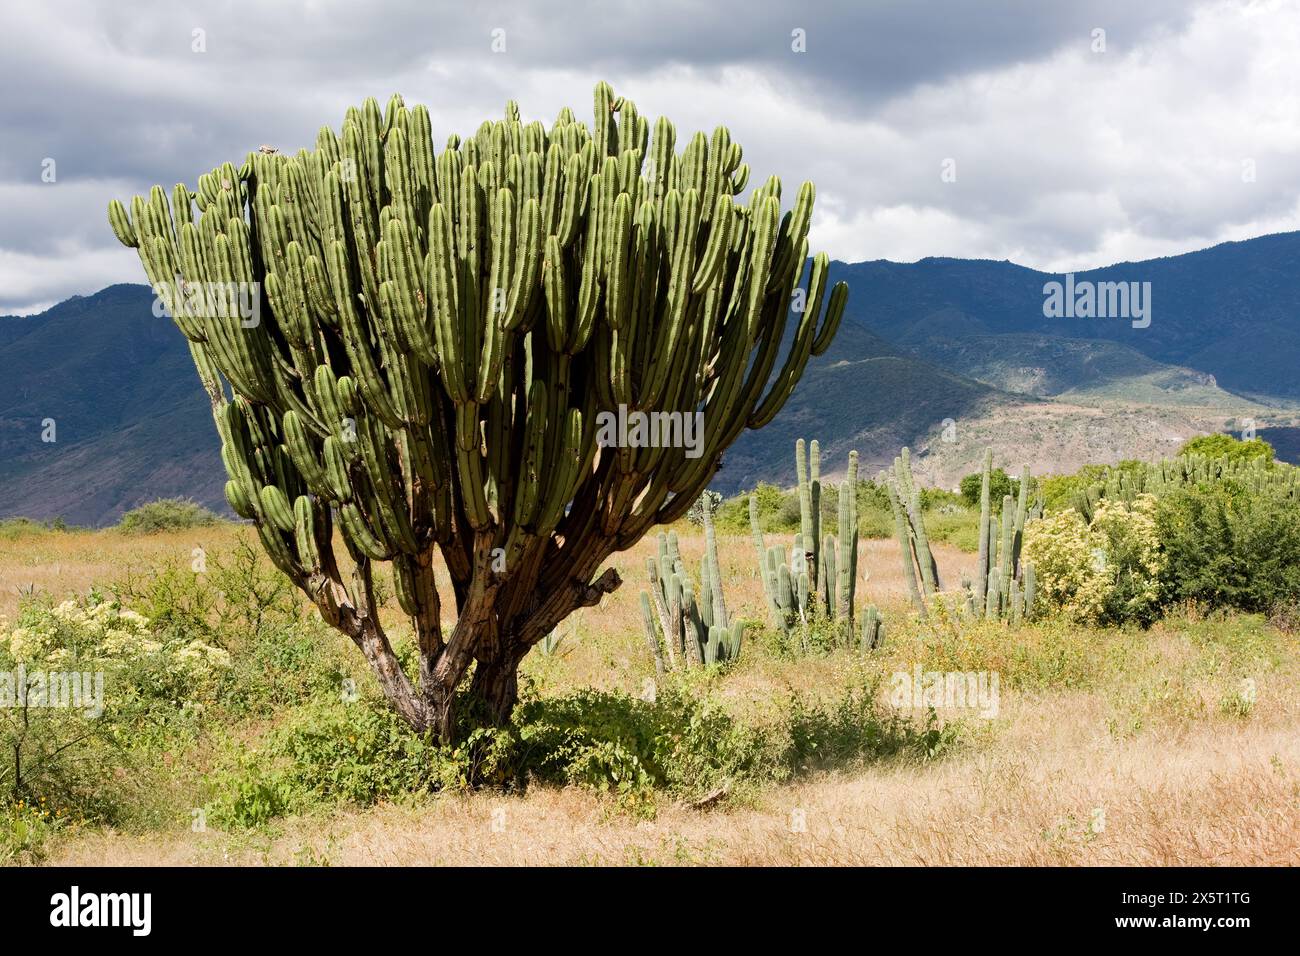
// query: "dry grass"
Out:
[1136,764]
[1207,797]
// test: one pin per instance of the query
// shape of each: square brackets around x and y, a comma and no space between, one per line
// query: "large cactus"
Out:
[438,336]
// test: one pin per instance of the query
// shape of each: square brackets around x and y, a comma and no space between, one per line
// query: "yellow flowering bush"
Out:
[101,636]
[88,688]
[1106,571]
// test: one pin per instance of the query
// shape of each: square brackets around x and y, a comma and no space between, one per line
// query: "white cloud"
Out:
[1065,159]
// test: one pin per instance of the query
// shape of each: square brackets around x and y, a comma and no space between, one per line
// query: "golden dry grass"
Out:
[1207,797]
[1121,754]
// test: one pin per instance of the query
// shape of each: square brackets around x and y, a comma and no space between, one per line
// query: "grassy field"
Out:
[1178,745]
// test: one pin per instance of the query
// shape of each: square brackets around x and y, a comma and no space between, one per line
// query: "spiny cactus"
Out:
[1004,586]
[692,632]
[821,580]
[848,544]
[873,629]
[437,338]
[909,528]
[1126,483]
[792,588]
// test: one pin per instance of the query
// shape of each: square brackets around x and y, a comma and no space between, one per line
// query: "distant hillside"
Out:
[862,395]
[1231,311]
[940,341]
[132,423]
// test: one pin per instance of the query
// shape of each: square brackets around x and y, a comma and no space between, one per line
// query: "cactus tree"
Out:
[438,340]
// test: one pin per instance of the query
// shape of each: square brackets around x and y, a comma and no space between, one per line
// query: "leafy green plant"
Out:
[1220,445]
[1229,545]
[88,689]
[166,514]
[1000,485]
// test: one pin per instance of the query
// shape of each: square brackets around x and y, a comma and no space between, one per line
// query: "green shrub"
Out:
[12,529]
[281,651]
[167,514]
[684,744]
[733,514]
[1228,546]
[875,523]
[1000,485]
[89,690]
[1059,492]
[26,829]
[1226,446]
[955,525]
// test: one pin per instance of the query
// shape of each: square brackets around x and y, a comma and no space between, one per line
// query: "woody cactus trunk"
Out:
[437,341]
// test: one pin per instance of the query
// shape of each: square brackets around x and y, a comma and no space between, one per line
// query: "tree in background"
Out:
[1000,485]
[1226,446]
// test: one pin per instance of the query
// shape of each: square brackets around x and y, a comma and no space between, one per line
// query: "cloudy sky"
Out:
[1175,128]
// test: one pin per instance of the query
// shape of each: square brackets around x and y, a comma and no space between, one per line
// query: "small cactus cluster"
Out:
[1004,586]
[682,630]
[821,575]
[909,526]
[1161,477]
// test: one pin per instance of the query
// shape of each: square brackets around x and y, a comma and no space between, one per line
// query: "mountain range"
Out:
[948,356]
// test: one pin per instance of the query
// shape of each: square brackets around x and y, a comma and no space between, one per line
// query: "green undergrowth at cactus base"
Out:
[682,745]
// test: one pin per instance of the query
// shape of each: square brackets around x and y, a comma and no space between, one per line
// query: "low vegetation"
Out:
[237,727]
[166,514]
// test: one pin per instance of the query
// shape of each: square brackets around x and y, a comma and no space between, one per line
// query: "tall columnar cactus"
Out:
[1004,586]
[1127,482]
[692,632]
[439,339]
[821,580]
[785,585]
[848,545]
[793,590]
[982,569]
[808,473]
[909,527]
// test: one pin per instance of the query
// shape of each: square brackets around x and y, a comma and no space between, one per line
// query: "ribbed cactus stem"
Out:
[982,563]
[924,557]
[807,533]
[848,541]
[651,633]
[1031,590]
[905,549]
[711,559]
[1006,558]
[992,602]
[1022,515]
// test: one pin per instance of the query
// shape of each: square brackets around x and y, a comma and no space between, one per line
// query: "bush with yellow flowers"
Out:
[1107,571]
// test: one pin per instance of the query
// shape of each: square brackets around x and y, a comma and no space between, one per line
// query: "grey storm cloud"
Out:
[1064,155]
